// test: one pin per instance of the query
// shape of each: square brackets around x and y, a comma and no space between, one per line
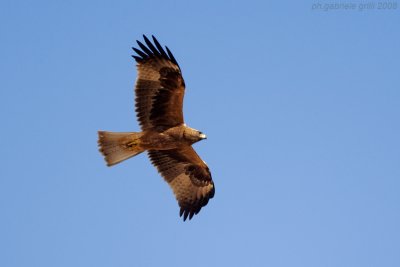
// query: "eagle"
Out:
[159,91]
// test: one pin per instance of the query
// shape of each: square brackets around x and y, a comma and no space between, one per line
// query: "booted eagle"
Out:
[166,138]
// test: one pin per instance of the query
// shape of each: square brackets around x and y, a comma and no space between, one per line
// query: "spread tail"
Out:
[117,147]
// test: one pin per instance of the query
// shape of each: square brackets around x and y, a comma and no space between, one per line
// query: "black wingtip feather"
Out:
[185,215]
[145,49]
[159,47]
[188,214]
[140,53]
[191,215]
[152,50]
[138,59]
[151,46]
[171,56]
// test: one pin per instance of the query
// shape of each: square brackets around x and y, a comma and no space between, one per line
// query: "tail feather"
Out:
[117,147]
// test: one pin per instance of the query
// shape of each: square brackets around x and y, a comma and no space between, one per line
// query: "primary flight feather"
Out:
[159,90]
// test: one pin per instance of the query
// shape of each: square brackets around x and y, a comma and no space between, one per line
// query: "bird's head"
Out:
[193,135]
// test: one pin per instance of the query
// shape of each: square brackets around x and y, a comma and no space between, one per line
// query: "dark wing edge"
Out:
[152,51]
[188,176]
[159,88]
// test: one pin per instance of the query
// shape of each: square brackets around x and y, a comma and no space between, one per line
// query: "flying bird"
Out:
[159,90]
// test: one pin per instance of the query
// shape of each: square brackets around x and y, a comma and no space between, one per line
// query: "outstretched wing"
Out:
[159,87]
[187,175]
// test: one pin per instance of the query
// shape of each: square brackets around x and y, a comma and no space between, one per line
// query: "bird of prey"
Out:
[168,141]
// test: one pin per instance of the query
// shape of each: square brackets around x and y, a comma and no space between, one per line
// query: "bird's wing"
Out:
[188,176]
[159,87]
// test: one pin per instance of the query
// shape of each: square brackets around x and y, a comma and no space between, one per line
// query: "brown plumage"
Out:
[159,90]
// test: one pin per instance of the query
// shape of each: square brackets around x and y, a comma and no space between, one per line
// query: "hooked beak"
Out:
[203,136]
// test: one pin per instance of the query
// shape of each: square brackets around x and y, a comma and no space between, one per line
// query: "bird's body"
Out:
[159,100]
[170,138]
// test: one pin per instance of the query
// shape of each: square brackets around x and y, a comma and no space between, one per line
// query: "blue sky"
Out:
[301,107]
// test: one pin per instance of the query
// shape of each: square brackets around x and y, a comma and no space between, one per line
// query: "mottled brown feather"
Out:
[187,175]
[159,89]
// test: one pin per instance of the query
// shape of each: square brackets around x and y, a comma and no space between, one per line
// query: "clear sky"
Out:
[300,102]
